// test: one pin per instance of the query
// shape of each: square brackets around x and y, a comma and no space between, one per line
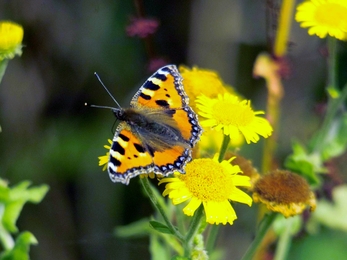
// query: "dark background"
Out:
[50,137]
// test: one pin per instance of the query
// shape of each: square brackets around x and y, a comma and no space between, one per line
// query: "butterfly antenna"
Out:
[109,93]
[112,108]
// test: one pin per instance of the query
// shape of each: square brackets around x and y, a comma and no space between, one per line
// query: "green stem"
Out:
[180,218]
[160,209]
[193,228]
[285,240]
[332,63]
[334,103]
[3,66]
[212,237]
[224,147]
[263,229]
[333,107]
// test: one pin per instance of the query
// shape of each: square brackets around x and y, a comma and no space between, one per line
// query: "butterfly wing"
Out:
[128,156]
[163,93]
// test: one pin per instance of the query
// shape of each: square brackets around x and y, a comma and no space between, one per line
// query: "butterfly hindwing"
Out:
[128,156]
[171,160]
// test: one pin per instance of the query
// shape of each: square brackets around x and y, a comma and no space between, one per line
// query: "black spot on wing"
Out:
[124,138]
[160,76]
[118,148]
[167,95]
[115,161]
[150,85]
[139,148]
[170,112]
[150,150]
[162,103]
[144,96]
[166,69]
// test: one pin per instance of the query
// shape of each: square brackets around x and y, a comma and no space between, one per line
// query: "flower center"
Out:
[332,14]
[229,113]
[207,180]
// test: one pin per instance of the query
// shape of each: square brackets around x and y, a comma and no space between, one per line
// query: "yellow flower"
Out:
[201,81]
[210,141]
[103,160]
[211,184]
[324,17]
[11,36]
[246,167]
[233,116]
[284,192]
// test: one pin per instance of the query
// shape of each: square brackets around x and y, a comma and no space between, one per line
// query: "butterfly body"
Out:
[158,130]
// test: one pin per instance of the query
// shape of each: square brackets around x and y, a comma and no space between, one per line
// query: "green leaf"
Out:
[158,249]
[307,165]
[4,193]
[160,227]
[331,213]
[281,224]
[34,194]
[15,199]
[135,229]
[21,249]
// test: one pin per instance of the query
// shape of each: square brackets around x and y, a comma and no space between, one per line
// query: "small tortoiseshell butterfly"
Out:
[158,130]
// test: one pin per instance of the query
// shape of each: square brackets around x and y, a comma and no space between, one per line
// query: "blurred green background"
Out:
[49,136]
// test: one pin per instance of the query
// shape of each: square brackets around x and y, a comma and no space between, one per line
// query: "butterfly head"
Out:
[119,113]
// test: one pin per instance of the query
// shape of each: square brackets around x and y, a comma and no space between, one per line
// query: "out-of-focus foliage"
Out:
[12,200]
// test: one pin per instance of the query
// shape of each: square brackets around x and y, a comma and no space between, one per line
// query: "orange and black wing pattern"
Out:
[162,99]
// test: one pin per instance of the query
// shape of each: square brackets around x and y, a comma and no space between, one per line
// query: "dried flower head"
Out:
[246,167]
[285,192]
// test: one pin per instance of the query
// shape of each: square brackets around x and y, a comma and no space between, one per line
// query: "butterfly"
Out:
[158,130]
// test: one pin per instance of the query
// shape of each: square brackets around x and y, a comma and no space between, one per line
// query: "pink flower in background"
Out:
[156,63]
[142,27]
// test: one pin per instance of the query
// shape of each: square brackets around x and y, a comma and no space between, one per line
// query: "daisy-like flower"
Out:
[210,141]
[284,192]
[211,184]
[246,167]
[11,36]
[142,27]
[103,160]
[233,116]
[324,17]
[198,81]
